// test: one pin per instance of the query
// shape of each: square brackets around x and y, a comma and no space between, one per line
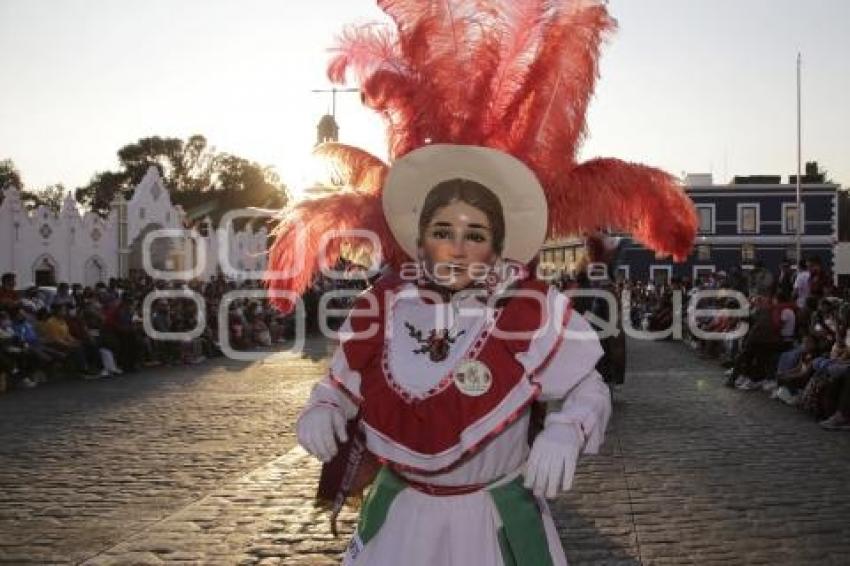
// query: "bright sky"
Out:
[687,85]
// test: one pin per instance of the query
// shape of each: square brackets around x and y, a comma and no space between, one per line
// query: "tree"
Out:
[236,183]
[9,176]
[194,172]
[102,189]
[50,196]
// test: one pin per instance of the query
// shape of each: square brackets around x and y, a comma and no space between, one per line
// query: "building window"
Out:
[790,218]
[706,218]
[703,253]
[660,274]
[702,273]
[141,213]
[748,253]
[748,218]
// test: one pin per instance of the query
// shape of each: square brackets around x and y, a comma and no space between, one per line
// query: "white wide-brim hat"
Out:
[412,177]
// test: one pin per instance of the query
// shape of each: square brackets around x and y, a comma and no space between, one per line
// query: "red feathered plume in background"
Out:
[515,75]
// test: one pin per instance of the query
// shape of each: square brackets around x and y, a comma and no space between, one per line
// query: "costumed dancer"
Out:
[439,365]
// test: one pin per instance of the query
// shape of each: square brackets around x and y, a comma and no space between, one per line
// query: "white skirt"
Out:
[458,530]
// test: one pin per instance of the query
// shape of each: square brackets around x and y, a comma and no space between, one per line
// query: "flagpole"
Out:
[799,154]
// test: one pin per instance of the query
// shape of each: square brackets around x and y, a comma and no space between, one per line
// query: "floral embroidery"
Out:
[437,344]
[447,379]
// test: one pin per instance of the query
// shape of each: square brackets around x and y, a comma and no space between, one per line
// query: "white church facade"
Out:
[43,248]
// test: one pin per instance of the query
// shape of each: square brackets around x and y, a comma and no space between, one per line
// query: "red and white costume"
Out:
[423,426]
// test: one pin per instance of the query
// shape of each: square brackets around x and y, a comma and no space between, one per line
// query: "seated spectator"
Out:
[63,297]
[260,333]
[791,382]
[80,332]
[824,325]
[661,317]
[192,349]
[53,330]
[818,397]
[33,301]
[118,323]
[164,351]
[840,419]
[8,294]
[754,364]
[92,314]
[46,358]
[236,326]
[15,360]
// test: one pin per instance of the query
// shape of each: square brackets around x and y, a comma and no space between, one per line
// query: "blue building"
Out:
[751,219]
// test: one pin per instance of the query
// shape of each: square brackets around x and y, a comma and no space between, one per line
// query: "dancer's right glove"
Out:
[318,429]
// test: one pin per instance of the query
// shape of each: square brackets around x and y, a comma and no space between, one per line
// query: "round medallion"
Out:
[473,378]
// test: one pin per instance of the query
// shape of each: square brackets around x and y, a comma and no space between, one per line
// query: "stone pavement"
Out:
[199,466]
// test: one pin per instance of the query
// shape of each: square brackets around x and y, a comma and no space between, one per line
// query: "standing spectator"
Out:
[819,278]
[761,281]
[785,281]
[785,315]
[737,281]
[801,284]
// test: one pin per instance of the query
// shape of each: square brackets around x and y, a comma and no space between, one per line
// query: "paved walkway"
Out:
[199,466]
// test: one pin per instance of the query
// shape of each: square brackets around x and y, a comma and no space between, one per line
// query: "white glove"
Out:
[552,461]
[318,429]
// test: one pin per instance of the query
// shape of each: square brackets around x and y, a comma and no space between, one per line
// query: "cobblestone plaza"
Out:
[200,466]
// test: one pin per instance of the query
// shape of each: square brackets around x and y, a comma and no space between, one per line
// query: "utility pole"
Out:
[799,154]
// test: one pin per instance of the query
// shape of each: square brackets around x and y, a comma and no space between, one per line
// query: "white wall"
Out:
[74,242]
[841,264]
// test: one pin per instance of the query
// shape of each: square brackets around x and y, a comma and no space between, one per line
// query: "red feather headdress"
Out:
[513,75]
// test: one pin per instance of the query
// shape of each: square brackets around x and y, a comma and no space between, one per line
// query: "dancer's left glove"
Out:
[318,429]
[552,461]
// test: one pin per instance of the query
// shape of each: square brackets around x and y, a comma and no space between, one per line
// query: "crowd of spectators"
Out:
[99,331]
[796,346]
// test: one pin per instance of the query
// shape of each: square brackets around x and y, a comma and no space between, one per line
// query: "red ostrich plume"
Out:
[514,75]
